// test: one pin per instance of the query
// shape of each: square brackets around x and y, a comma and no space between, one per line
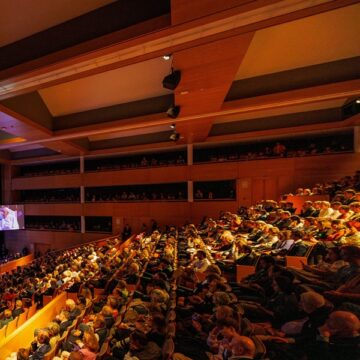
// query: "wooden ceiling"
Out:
[248,69]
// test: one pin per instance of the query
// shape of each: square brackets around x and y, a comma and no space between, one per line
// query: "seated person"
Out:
[40,346]
[201,263]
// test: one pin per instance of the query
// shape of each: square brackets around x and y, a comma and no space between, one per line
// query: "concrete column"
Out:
[190,191]
[190,154]
[82,164]
[82,193]
[82,223]
[356,139]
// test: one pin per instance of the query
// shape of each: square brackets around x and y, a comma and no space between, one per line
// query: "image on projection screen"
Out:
[11,217]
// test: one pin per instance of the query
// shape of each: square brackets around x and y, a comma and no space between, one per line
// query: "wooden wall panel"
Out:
[221,171]
[137,176]
[47,182]
[244,192]
[53,209]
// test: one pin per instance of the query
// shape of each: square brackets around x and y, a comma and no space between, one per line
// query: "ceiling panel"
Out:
[44,14]
[127,84]
[302,108]
[313,40]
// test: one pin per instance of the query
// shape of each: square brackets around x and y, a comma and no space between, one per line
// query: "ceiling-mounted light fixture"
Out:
[174,136]
[173,111]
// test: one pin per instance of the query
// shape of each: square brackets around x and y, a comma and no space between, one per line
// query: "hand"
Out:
[197,326]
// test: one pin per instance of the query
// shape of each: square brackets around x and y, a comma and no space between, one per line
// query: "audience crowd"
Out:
[50,195]
[296,147]
[158,192]
[57,223]
[106,164]
[174,296]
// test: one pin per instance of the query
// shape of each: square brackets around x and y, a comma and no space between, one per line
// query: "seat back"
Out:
[11,327]
[260,349]
[32,311]
[50,354]
[22,318]
[168,349]
[103,351]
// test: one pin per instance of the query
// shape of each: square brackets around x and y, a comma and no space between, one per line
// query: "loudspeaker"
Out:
[172,81]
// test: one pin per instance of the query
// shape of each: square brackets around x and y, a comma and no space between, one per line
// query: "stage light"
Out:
[350,109]
[174,136]
[172,81]
[173,112]
[167,57]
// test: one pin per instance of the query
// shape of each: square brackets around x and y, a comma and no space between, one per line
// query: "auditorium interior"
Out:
[180,179]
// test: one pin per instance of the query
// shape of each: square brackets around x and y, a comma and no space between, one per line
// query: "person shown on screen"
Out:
[8,219]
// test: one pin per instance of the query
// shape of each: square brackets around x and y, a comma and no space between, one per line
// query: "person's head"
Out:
[311,301]
[224,312]
[7,314]
[43,336]
[334,254]
[99,322]
[18,304]
[343,324]
[283,284]
[221,298]
[242,346]
[350,253]
[90,341]
[349,193]
[23,354]
[266,261]
[107,311]
[64,315]
[75,355]
[343,209]
[54,329]
[325,205]
[201,254]
[228,327]
[70,304]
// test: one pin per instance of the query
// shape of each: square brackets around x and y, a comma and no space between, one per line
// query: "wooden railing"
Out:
[24,334]
[13,264]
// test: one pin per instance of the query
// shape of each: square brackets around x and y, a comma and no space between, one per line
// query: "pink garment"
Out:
[88,355]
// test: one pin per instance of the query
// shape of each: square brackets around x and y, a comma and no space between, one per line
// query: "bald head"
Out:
[242,346]
[343,323]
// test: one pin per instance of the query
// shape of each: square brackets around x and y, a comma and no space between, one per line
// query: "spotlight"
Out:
[350,109]
[172,126]
[167,57]
[174,136]
[173,112]
[172,81]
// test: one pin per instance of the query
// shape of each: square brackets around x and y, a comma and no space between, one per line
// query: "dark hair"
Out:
[139,337]
[284,283]
[228,322]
